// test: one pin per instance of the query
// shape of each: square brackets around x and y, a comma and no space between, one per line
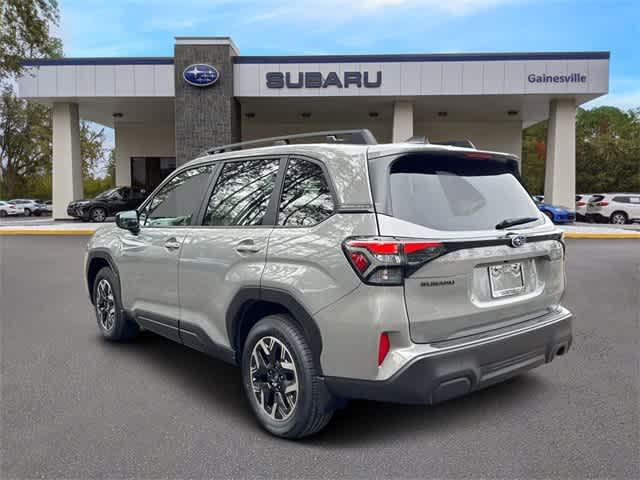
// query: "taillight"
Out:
[387,261]
[602,204]
[580,204]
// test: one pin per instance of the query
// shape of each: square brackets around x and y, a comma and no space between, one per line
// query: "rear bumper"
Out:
[597,218]
[454,369]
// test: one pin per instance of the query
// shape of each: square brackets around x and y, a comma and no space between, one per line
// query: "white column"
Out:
[560,170]
[123,164]
[67,163]
[402,121]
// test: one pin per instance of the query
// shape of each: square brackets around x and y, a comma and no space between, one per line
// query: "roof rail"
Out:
[354,137]
[457,143]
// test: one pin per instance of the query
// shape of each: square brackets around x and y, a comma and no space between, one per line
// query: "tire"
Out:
[36,213]
[618,218]
[3,213]
[549,214]
[27,212]
[98,214]
[114,325]
[309,405]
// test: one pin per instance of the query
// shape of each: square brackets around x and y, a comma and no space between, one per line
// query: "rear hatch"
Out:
[483,275]
[596,203]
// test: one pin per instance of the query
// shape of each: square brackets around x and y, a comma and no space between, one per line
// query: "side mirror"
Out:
[128,220]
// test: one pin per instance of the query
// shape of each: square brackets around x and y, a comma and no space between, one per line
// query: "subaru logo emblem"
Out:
[518,241]
[200,75]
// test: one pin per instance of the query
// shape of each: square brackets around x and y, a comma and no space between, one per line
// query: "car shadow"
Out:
[373,423]
[360,422]
[202,377]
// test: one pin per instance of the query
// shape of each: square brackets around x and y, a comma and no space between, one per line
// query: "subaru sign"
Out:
[200,75]
[320,80]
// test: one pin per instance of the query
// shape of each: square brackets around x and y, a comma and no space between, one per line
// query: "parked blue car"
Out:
[555,213]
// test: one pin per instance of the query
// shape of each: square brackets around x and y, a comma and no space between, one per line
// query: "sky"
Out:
[92,28]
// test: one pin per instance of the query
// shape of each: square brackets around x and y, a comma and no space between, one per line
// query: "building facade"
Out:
[167,110]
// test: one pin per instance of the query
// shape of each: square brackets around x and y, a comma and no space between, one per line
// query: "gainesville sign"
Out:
[319,80]
[572,78]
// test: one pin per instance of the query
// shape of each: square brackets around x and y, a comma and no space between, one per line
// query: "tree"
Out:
[26,151]
[25,143]
[607,151]
[25,33]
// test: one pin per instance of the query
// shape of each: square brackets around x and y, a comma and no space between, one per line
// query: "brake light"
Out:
[360,261]
[580,204]
[387,261]
[478,155]
[602,204]
[383,347]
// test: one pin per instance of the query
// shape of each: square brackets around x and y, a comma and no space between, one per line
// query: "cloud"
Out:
[343,10]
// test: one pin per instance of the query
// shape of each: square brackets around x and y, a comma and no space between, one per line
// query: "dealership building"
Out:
[167,110]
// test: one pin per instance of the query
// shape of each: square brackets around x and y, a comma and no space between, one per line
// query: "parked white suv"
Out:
[617,208]
[7,209]
[30,206]
[582,200]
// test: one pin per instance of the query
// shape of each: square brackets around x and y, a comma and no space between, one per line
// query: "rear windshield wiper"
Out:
[512,222]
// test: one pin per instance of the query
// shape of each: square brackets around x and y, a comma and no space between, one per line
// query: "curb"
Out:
[53,232]
[602,236]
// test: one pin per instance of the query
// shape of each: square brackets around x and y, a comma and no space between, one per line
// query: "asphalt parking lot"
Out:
[74,406]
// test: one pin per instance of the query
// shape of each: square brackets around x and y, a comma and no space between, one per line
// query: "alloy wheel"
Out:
[105,305]
[274,378]
[618,219]
[98,215]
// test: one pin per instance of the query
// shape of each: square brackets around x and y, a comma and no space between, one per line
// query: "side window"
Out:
[306,199]
[177,203]
[635,200]
[242,193]
[621,199]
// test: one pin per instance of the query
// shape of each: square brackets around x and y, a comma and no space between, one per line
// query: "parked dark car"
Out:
[107,204]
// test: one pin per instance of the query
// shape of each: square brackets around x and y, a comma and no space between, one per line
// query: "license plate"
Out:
[506,279]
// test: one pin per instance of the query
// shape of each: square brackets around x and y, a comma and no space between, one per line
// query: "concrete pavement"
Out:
[75,406]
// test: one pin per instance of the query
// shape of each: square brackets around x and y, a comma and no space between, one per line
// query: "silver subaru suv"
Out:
[340,269]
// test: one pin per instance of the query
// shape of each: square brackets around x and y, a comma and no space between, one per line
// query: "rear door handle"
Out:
[172,244]
[247,246]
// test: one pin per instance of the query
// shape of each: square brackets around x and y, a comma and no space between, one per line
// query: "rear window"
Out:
[596,198]
[458,192]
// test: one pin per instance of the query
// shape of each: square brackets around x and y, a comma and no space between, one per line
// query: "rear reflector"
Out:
[383,347]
